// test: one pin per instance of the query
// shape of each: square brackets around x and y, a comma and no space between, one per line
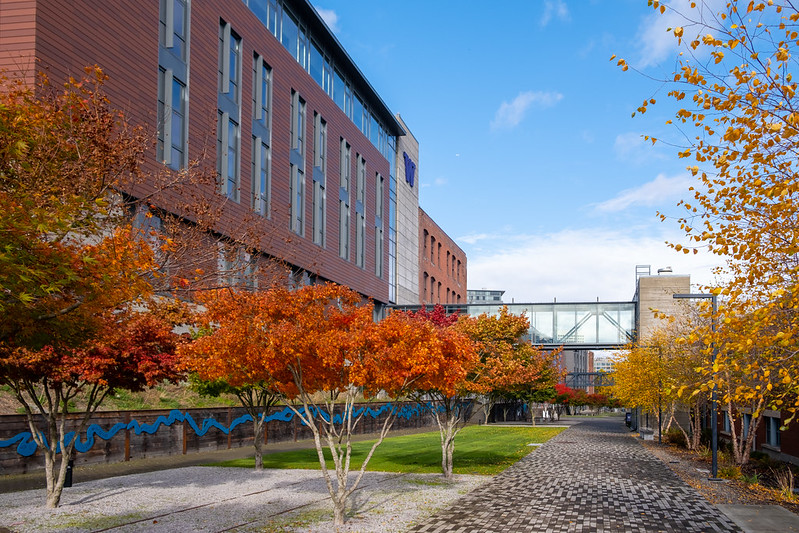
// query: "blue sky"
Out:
[529,156]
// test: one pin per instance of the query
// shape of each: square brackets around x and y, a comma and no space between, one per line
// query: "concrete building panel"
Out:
[407,218]
[656,293]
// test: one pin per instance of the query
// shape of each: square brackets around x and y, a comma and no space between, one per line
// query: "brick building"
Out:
[263,91]
[442,273]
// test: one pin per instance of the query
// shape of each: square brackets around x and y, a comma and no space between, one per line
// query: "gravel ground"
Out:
[232,499]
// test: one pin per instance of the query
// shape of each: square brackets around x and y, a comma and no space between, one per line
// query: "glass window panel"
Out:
[374,130]
[232,160]
[261,10]
[357,113]
[235,52]
[317,67]
[274,17]
[339,91]
[289,34]
[302,49]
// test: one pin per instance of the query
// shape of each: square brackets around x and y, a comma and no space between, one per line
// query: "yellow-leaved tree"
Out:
[735,88]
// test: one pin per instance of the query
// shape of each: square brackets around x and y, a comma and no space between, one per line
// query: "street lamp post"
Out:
[714,431]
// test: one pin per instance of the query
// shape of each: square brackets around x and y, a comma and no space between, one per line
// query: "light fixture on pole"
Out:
[714,430]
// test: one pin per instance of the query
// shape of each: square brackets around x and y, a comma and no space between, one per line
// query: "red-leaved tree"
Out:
[319,350]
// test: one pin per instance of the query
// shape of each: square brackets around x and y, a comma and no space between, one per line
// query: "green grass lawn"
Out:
[483,450]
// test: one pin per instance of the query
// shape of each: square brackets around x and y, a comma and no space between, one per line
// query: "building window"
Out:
[360,213]
[379,207]
[345,169]
[297,122]
[297,200]
[289,33]
[360,189]
[379,252]
[379,192]
[360,240]
[342,94]
[174,27]
[344,231]
[319,213]
[262,90]
[173,72]
[773,431]
[432,249]
[236,268]
[229,63]
[320,143]
[172,120]
[229,113]
[261,181]
[319,180]
[228,167]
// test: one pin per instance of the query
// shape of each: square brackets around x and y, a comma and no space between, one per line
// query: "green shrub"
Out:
[676,436]
[754,479]
[730,472]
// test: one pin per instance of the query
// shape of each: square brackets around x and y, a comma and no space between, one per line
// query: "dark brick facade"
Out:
[64,36]
[442,265]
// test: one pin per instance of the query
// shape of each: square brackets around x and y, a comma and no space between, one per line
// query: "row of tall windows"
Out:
[319,180]
[345,170]
[297,164]
[261,136]
[360,212]
[173,76]
[228,138]
[379,184]
[173,87]
[296,38]
[433,248]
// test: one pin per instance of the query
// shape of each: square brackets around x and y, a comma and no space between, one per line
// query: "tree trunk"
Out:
[446,456]
[259,450]
[339,512]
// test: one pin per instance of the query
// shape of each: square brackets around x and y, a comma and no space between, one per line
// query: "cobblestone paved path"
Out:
[594,477]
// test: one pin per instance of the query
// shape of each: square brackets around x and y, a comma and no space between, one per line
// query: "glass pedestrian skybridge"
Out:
[575,326]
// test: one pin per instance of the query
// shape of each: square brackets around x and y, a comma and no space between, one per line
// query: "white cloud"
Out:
[510,114]
[555,9]
[631,147]
[330,17]
[650,194]
[656,43]
[576,265]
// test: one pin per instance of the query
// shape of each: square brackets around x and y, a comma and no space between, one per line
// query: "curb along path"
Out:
[594,478]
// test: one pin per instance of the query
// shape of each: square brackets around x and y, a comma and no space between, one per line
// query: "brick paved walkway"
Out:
[593,477]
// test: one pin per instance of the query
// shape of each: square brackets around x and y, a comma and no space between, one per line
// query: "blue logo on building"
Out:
[410,169]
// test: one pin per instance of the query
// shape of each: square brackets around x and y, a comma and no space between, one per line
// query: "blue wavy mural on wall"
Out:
[26,446]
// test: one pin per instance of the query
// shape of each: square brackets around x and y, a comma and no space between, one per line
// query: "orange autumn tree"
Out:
[74,272]
[318,349]
[509,367]
[450,402]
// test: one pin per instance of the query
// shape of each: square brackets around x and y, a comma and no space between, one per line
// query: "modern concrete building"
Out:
[484,296]
[656,293]
[603,363]
[262,91]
